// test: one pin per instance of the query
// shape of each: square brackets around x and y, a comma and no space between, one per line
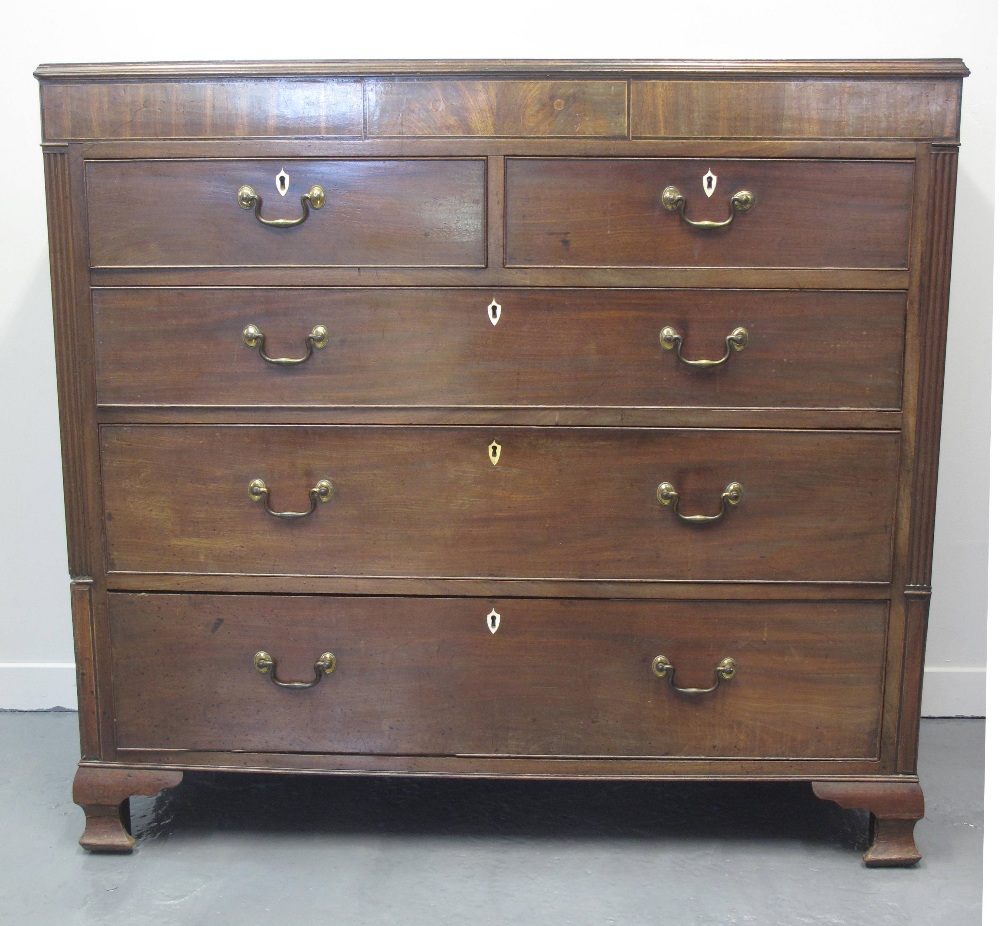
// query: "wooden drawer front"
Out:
[377,213]
[411,347]
[603,212]
[425,676]
[242,108]
[497,107]
[560,502]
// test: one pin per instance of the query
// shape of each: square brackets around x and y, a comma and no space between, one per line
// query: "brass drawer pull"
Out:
[266,665]
[736,340]
[249,199]
[318,338]
[724,671]
[673,199]
[667,495]
[321,492]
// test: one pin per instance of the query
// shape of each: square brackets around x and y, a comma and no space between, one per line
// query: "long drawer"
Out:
[586,503]
[609,212]
[187,213]
[555,677]
[475,347]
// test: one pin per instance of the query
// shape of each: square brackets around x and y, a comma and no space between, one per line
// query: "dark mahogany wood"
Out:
[561,502]
[895,806]
[812,108]
[179,213]
[196,109]
[932,325]
[74,348]
[602,212]
[103,794]
[81,600]
[496,107]
[557,678]
[834,99]
[574,347]
[538,184]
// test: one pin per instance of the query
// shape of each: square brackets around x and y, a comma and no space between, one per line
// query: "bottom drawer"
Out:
[428,676]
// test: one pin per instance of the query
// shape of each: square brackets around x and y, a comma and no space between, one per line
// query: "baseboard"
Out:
[37,686]
[954,691]
[948,691]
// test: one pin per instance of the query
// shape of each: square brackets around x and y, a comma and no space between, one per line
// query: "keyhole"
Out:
[493,311]
[494,453]
[281,181]
[493,621]
[708,183]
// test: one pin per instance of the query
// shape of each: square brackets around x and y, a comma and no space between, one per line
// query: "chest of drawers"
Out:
[539,419]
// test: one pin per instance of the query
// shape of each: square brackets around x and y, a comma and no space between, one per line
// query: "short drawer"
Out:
[581,503]
[187,213]
[556,678]
[517,348]
[610,212]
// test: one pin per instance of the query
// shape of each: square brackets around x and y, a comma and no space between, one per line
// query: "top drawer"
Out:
[610,212]
[376,213]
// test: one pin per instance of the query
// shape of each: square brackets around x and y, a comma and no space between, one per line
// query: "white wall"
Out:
[35,643]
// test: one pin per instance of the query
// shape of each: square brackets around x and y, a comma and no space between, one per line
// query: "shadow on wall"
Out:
[34,596]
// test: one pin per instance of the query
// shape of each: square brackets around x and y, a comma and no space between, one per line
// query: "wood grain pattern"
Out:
[200,109]
[571,503]
[896,807]
[917,607]
[466,146]
[863,68]
[608,212]
[490,416]
[558,677]
[377,213]
[601,768]
[506,277]
[935,287]
[565,348]
[536,183]
[103,794]
[813,108]
[86,676]
[73,343]
[496,107]
[646,589]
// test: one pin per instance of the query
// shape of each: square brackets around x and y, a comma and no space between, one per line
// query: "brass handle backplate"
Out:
[248,198]
[724,671]
[673,199]
[667,495]
[321,492]
[736,340]
[318,338]
[267,665]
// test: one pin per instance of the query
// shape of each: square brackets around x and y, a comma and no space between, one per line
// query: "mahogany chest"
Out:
[541,419]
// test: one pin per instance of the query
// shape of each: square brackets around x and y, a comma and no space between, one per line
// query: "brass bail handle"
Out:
[724,672]
[248,198]
[736,340]
[266,664]
[673,199]
[318,338]
[669,497]
[321,492]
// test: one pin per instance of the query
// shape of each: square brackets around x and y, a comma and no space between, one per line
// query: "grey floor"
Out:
[244,850]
